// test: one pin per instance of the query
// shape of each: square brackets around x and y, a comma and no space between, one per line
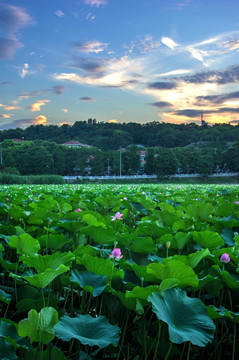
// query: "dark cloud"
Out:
[87,98]
[234,122]
[93,66]
[58,89]
[20,123]
[217,99]
[8,47]
[12,18]
[220,77]
[32,93]
[160,104]
[162,85]
[5,82]
[228,110]
[191,113]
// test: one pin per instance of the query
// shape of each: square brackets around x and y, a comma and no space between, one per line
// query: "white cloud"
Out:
[25,70]
[93,46]
[90,17]
[64,110]
[40,120]
[169,42]
[6,116]
[59,13]
[117,72]
[176,72]
[37,105]
[96,3]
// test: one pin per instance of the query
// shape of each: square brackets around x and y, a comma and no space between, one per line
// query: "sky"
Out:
[63,61]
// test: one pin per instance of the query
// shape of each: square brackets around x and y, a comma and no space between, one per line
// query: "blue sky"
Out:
[63,61]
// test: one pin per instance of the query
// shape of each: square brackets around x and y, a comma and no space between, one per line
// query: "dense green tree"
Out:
[166,162]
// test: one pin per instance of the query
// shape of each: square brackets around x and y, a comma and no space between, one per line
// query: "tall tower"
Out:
[202,121]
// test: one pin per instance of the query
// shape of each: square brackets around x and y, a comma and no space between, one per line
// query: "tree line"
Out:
[41,157]
[111,136]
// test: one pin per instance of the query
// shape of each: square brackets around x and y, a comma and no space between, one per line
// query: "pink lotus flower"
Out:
[78,210]
[225,258]
[118,216]
[116,254]
[7,199]
[237,202]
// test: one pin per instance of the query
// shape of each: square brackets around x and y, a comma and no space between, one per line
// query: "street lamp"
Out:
[120,162]
[1,153]
[108,168]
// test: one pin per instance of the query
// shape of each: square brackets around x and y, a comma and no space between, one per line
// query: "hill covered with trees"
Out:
[152,148]
[111,136]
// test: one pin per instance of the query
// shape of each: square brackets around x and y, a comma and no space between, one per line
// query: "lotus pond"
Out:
[119,272]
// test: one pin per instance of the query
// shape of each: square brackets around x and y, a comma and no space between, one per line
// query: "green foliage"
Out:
[165,285]
[38,327]
[88,330]
[186,317]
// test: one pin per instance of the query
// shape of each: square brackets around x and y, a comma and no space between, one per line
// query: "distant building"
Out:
[17,140]
[142,154]
[75,144]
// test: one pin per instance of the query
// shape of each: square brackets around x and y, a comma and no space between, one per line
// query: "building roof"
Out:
[17,140]
[75,143]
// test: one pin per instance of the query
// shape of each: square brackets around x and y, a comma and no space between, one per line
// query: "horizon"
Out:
[118,61]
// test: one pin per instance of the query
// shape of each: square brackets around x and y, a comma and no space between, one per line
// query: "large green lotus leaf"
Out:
[192,259]
[208,239]
[141,292]
[70,225]
[186,317]
[91,220]
[174,270]
[34,220]
[1,248]
[183,224]
[142,273]
[43,279]
[5,297]
[88,330]
[100,266]
[41,263]
[225,209]
[167,284]
[200,211]
[138,206]
[39,326]
[53,241]
[228,222]
[89,281]
[231,280]
[144,245]
[8,330]
[100,235]
[149,229]
[50,353]
[221,313]
[7,351]
[65,207]
[228,236]
[25,244]
[168,218]
[85,249]
[182,239]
